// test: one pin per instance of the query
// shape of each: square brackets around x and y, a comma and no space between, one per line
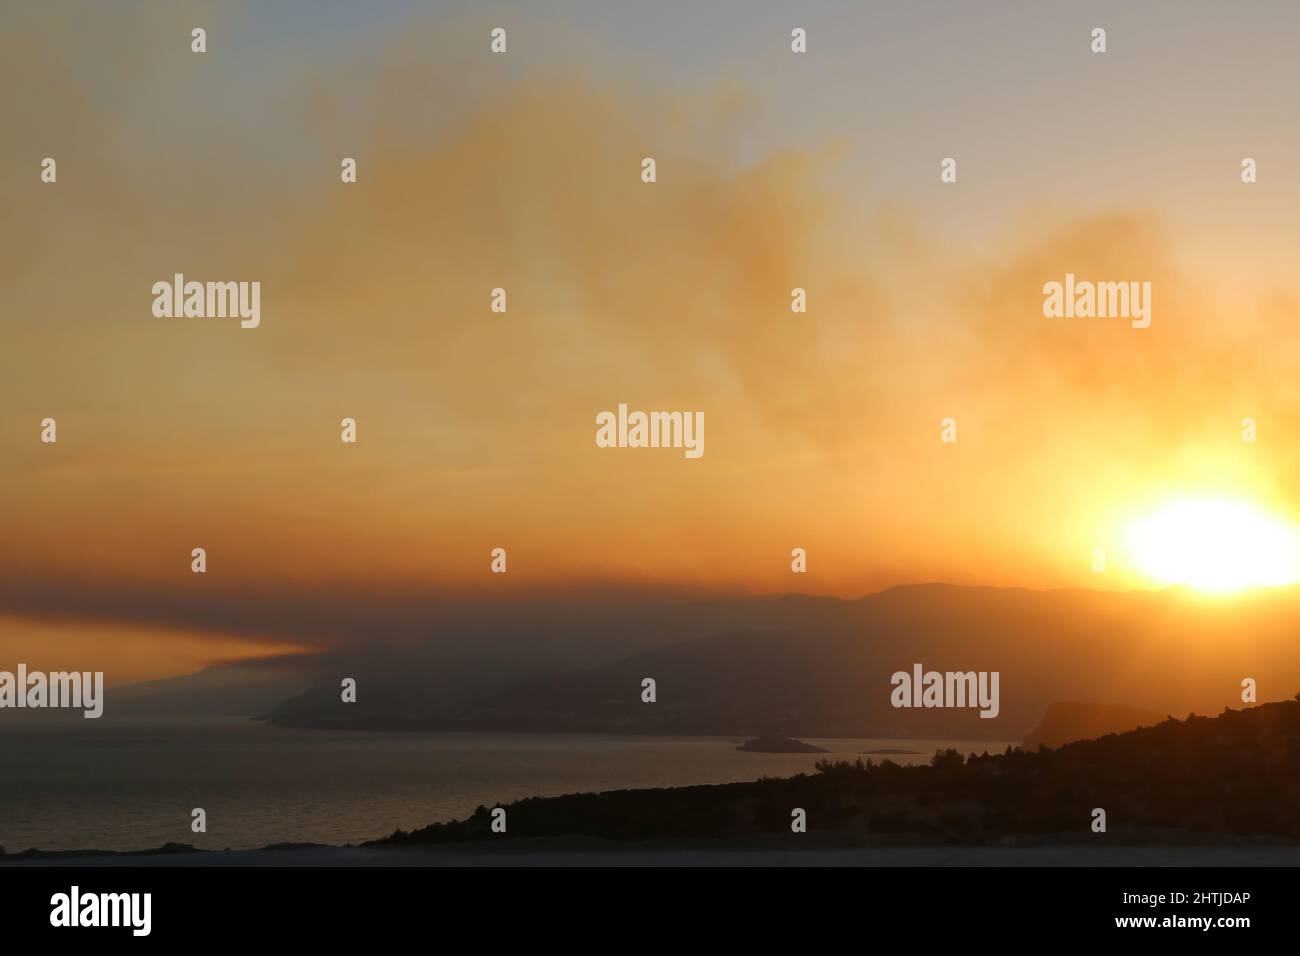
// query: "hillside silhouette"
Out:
[1236,775]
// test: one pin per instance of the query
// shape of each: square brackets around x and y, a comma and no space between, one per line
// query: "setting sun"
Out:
[1215,544]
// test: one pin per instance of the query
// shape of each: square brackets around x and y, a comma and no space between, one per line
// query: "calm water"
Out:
[127,784]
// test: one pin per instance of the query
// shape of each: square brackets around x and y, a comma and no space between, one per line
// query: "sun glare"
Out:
[1215,544]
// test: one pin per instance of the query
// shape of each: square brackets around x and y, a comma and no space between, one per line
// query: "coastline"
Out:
[578,852]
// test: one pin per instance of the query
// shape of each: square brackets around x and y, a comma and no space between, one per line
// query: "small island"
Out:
[773,744]
[892,752]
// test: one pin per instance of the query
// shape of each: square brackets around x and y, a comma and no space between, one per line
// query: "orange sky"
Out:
[476,430]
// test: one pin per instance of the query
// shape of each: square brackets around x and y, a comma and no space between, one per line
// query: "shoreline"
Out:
[565,852]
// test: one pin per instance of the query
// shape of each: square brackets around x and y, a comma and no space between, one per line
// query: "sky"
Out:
[476,430]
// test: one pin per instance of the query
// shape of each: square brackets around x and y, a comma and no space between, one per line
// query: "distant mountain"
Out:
[1070,721]
[821,667]
[467,653]
[241,689]
[1204,778]
[772,744]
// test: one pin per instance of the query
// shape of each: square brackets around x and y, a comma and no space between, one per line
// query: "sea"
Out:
[133,783]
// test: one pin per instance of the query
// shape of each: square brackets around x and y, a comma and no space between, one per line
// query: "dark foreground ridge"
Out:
[1236,775]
